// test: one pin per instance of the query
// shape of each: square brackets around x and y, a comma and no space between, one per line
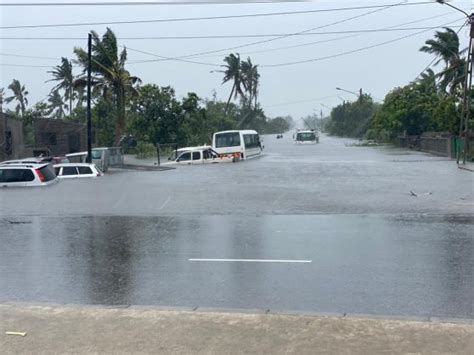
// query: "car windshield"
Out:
[273,176]
[308,136]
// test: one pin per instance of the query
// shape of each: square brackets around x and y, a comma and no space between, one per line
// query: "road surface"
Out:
[325,228]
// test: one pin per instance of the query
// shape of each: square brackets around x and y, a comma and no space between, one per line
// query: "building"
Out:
[60,137]
[11,137]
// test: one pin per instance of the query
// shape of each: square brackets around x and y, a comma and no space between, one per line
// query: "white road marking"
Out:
[165,203]
[255,260]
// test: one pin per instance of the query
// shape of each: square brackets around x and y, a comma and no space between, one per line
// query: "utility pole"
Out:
[89,113]
[467,88]
[466,102]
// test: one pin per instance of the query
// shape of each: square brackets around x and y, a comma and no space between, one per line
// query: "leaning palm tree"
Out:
[251,79]
[19,94]
[110,75]
[445,46]
[56,105]
[64,76]
[233,72]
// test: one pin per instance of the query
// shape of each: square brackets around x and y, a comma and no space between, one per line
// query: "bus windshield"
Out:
[231,139]
[306,136]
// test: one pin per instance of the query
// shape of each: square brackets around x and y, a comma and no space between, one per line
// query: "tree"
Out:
[251,81]
[233,72]
[110,75]
[64,76]
[56,105]
[157,117]
[445,46]
[20,95]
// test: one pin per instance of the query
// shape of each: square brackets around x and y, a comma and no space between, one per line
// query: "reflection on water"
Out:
[361,264]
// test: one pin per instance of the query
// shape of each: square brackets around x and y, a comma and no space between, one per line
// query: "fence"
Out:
[147,154]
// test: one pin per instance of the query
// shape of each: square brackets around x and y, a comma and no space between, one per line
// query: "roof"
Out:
[73,164]
[194,148]
[24,165]
[246,131]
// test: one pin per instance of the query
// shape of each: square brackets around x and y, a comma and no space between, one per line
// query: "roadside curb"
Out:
[185,309]
[464,168]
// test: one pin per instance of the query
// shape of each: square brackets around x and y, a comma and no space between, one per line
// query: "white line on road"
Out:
[165,203]
[255,260]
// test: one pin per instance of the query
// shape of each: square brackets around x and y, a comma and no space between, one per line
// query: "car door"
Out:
[85,172]
[69,172]
[12,177]
[184,158]
[197,157]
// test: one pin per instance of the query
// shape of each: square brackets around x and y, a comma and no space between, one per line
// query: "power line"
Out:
[266,14]
[355,50]
[24,65]
[28,56]
[163,58]
[228,36]
[281,37]
[153,3]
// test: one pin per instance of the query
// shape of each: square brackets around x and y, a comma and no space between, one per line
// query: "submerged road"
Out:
[324,228]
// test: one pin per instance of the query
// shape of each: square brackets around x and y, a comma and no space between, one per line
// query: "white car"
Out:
[198,155]
[77,170]
[21,175]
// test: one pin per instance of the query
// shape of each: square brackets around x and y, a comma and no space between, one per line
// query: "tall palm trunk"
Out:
[120,126]
[230,98]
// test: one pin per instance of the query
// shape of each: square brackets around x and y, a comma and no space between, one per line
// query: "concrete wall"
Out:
[60,137]
[11,137]
[439,145]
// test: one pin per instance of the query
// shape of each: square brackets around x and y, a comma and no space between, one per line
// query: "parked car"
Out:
[77,170]
[199,155]
[32,160]
[22,175]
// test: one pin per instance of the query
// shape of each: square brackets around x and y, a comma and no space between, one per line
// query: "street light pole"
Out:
[359,95]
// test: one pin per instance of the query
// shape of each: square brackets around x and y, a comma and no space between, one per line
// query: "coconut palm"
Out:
[110,75]
[64,76]
[251,78]
[445,46]
[56,105]
[233,72]
[19,94]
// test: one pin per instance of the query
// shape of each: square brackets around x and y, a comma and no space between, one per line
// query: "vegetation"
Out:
[432,102]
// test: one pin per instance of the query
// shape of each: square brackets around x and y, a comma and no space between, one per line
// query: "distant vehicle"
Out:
[25,175]
[102,157]
[306,136]
[199,155]
[279,136]
[77,170]
[237,144]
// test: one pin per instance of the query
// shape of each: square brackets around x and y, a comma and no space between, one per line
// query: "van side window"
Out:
[185,157]
[196,155]
[84,170]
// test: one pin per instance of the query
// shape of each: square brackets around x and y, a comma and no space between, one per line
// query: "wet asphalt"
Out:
[323,228]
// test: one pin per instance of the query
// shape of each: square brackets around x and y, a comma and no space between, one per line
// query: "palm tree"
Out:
[110,75]
[63,75]
[445,46]
[251,78]
[233,71]
[56,104]
[19,94]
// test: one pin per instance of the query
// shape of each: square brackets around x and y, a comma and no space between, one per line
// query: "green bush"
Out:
[145,150]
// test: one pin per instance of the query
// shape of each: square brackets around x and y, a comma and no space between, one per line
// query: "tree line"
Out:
[432,102]
[122,105]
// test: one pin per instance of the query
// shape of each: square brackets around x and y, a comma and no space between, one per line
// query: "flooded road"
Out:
[325,228]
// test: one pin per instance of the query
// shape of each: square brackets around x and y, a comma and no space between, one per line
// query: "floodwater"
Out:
[321,228]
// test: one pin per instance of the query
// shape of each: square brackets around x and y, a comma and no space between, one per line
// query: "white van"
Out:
[198,155]
[244,144]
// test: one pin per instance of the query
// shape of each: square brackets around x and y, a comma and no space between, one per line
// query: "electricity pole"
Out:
[466,102]
[89,114]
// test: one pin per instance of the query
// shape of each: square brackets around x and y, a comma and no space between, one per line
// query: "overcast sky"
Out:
[295,90]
